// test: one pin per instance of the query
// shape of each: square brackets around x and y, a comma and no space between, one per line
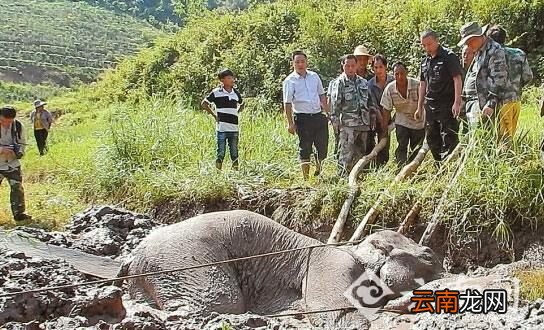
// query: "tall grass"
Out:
[141,155]
[159,151]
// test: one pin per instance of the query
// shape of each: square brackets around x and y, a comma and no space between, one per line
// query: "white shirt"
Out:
[303,92]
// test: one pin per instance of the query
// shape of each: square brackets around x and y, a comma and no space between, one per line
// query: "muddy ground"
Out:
[113,233]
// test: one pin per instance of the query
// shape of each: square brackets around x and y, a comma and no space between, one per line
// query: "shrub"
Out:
[256,43]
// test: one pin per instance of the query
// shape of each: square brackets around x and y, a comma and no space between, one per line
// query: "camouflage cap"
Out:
[470,30]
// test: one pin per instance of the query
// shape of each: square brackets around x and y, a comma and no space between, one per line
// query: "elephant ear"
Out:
[370,257]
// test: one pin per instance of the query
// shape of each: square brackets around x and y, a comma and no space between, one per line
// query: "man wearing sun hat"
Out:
[41,119]
[487,77]
[363,58]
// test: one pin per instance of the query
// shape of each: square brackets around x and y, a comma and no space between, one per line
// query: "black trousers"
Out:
[410,141]
[41,140]
[312,131]
[442,132]
[383,156]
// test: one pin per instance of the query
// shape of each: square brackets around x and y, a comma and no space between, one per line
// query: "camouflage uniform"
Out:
[519,75]
[490,70]
[10,166]
[351,108]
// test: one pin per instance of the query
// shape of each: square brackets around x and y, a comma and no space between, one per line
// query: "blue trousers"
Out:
[232,139]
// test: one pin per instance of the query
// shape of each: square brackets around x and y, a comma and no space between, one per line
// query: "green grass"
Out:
[143,155]
[55,184]
[532,284]
[13,93]
[63,41]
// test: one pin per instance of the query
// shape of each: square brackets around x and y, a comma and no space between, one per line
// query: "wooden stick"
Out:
[406,171]
[338,229]
[431,227]
[411,217]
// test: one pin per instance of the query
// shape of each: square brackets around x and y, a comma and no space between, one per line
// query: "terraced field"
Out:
[64,42]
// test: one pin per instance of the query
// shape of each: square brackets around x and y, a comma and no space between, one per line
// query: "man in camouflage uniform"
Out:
[352,113]
[12,148]
[487,78]
[519,74]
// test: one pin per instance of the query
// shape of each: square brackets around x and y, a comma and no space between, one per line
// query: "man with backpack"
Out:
[12,148]
[519,76]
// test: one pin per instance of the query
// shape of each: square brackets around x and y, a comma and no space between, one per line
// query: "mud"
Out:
[103,231]
[113,233]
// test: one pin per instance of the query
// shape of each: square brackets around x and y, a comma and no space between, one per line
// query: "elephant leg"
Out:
[206,290]
[330,273]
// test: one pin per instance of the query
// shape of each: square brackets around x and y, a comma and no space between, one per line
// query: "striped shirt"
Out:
[226,105]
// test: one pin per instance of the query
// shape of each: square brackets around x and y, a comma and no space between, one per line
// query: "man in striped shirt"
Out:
[228,103]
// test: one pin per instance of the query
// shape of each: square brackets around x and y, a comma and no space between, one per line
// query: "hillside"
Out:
[256,43]
[168,12]
[64,42]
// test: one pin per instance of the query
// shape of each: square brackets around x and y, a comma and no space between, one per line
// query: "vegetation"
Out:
[165,13]
[11,93]
[256,43]
[532,284]
[136,139]
[156,12]
[63,42]
[106,156]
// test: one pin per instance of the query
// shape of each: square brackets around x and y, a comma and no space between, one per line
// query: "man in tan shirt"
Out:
[402,95]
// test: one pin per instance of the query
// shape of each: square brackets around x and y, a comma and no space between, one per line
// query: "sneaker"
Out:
[22,217]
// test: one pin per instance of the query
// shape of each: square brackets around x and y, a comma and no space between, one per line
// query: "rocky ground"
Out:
[107,232]
[113,233]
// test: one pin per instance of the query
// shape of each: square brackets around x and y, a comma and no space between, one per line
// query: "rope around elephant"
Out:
[211,264]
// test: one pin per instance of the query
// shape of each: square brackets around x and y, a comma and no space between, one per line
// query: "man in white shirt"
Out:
[306,109]
[402,95]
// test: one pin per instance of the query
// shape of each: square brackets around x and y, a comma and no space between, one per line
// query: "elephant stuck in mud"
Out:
[303,280]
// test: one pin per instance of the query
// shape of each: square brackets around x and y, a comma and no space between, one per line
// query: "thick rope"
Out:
[211,264]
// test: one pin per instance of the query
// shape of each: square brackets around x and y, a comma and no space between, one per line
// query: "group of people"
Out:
[12,148]
[364,107]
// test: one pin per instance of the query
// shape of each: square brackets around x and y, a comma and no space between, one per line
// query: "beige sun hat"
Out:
[39,103]
[470,30]
[361,51]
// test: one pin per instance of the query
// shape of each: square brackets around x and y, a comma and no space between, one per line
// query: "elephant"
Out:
[262,286]
[398,261]
[306,279]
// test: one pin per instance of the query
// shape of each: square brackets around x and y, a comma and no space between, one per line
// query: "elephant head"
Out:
[400,263]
